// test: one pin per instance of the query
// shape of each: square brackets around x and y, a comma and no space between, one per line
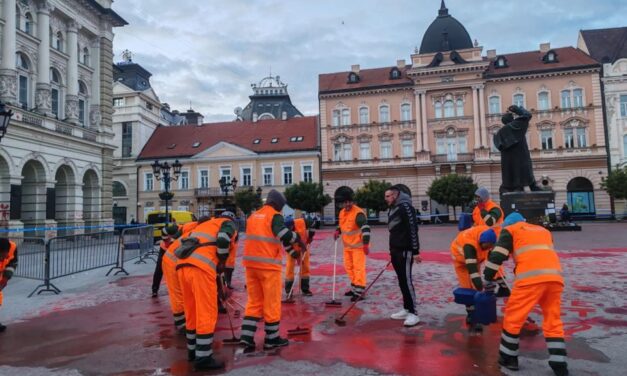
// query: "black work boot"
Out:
[560,369]
[208,362]
[191,355]
[2,328]
[275,342]
[304,287]
[349,293]
[508,361]
[288,287]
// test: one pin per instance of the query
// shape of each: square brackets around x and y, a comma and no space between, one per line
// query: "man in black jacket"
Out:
[404,247]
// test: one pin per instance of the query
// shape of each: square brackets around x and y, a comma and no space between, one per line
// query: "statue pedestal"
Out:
[534,206]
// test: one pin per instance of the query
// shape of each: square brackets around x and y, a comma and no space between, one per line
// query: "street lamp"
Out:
[162,172]
[5,118]
[225,186]
[259,190]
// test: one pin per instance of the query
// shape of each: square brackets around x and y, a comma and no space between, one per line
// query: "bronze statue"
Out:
[510,140]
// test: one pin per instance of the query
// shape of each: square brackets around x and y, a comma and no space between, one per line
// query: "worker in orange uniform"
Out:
[171,279]
[355,233]
[8,264]
[486,212]
[168,233]
[306,233]
[469,250]
[538,280]
[197,271]
[265,232]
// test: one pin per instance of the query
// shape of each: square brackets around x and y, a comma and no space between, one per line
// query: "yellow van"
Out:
[157,219]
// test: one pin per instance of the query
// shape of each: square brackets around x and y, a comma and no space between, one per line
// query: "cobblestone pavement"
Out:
[114,328]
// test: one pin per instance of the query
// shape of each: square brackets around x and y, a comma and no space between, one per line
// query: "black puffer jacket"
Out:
[403,226]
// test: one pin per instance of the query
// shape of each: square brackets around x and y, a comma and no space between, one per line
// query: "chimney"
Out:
[545,47]
[284,115]
[255,117]
[355,68]
[400,64]
[491,54]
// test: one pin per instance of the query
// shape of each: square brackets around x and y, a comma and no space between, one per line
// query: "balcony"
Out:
[445,158]
[40,121]
[216,191]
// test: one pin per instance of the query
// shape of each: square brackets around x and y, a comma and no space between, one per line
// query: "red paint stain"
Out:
[617,310]
[586,288]
[586,254]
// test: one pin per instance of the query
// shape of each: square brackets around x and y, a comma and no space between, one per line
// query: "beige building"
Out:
[262,154]
[436,114]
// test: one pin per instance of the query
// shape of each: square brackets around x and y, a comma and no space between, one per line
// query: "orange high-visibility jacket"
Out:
[300,227]
[534,255]
[4,263]
[262,249]
[477,219]
[186,230]
[206,257]
[351,233]
[471,237]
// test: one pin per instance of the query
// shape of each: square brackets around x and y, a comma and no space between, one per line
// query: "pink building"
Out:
[414,121]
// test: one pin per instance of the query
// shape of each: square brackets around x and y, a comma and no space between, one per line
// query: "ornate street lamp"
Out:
[226,186]
[259,190]
[5,118]
[162,172]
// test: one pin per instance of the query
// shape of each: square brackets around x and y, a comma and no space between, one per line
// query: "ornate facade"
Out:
[55,74]
[413,122]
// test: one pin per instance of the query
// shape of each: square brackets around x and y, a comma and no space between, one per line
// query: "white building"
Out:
[55,74]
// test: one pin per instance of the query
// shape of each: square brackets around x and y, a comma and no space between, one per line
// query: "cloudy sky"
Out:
[208,52]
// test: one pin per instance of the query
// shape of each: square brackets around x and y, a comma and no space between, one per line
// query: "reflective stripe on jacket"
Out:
[534,255]
[262,249]
[351,233]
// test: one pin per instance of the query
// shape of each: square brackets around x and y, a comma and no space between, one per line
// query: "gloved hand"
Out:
[489,287]
[336,234]
[220,267]
[366,249]
[294,253]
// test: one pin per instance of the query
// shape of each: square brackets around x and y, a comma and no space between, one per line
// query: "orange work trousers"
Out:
[264,294]
[174,290]
[463,277]
[548,295]
[304,267]
[200,299]
[355,265]
[0,298]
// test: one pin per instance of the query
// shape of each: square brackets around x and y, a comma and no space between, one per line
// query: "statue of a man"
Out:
[510,140]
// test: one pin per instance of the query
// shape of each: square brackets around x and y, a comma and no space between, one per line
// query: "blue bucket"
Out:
[464,296]
[485,308]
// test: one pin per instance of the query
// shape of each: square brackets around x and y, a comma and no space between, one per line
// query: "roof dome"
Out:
[445,34]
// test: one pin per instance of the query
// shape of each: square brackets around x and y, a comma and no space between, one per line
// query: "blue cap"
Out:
[488,236]
[289,221]
[512,218]
[465,222]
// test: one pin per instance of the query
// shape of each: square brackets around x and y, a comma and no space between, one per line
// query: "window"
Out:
[23,67]
[565,99]
[347,152]
[256,141]
[395,74]
[363,115]
[308,173]
[569,138]
[577,98]
[118,102]
[204,178]
[28,23]
[501,62]
[346,116]
[461,144]
[384,114]
[287,175]
[440,145]
[54,95]
[550,56]
[274,140]
[408,148]
[23,91]
[623,105]
[543,101]
[148,183]
[268,176]
[438,110]
[85,56]
[184,180]
[519,100]
[118,189]
[58,41]
[55,83]
[448,109]
[546,136]
[353,77]
[386,149]
[81,111]
[337,152]
[495,105]
[246,176]
[460,107]
[225,172]
[336,117]
[581,137]
[405,112]
[364,150]
[127,139]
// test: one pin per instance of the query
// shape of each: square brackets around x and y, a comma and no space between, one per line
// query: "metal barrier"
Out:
[66,255]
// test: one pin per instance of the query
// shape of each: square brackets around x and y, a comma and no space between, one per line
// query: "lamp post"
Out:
[5,118]
[162,172]
[225,186]
[259,190]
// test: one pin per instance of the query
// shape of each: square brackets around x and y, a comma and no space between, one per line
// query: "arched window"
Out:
[23,71]
[580,193]
[449,111]
[58,42]
[565,98]
[405,112]
[519,100]
[495,104]
[336,116]
[384,114]
[438,109]
[346,116]
[28,23]
[118,189]
[363,115]
[55,91]
[82,103]
[460,107]
[543,101]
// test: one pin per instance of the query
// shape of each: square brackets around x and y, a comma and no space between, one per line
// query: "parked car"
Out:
[157,219]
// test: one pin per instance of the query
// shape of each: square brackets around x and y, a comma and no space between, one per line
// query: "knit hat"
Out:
[344,194]
[512,218]
[289,222]
[483,194]
[465,222]
[488,236]
[276,199]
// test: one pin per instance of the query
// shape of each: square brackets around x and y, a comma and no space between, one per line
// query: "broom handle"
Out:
[334,263]
[366,290]
[223,299]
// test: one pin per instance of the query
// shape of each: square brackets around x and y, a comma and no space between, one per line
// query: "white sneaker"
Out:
[411,320]
[400,315]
